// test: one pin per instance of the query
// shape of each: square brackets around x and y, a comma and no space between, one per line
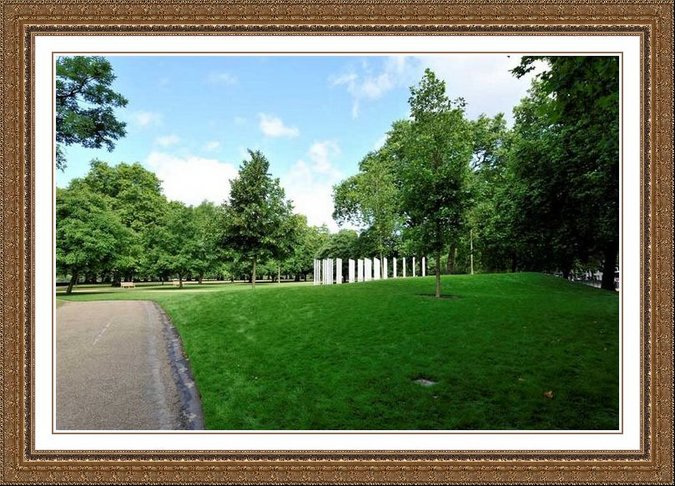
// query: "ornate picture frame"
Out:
[23,21]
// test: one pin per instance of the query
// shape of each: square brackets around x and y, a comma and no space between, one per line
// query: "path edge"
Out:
[192,416]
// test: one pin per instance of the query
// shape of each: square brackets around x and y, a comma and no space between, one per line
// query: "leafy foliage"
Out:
[309,240]
[433,168]
[89,234]
[85,105]
[257,221]
[371,199]
[569,154]
[177,247]
[207,222]
[542,195]
[136,197]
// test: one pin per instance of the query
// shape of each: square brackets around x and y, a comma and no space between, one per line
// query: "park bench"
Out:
[175,282]
[127,285]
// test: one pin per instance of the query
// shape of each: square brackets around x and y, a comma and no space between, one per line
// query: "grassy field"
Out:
[346,357]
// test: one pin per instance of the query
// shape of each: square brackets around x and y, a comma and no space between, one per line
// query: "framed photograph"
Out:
[336,242]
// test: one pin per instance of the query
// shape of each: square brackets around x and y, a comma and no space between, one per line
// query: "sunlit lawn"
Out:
[295,356]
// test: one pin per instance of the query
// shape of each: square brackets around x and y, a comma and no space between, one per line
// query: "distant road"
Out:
[117,369]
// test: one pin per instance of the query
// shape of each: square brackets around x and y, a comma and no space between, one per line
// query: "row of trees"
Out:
[116,224]
[540,196]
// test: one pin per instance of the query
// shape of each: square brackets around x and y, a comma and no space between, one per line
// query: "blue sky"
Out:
[190,119]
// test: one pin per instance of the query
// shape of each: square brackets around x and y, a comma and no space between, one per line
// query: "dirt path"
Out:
[119,367]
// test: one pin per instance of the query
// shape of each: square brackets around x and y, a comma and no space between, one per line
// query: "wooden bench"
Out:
[127,285]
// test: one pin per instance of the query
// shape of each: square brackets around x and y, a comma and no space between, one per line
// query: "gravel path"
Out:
[119,366]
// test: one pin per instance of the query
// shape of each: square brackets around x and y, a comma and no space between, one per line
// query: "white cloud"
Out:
[483,80]
[310,195]
[320,153]
[212,145]
[309,184]
[167,140]
[146,118]
[273,126]
[192,179]
[345,79]
[223,78]
[370,85]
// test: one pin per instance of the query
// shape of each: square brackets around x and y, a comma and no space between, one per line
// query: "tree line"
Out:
[541,195]
[116,224]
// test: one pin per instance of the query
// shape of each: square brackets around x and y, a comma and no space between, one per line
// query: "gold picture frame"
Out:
[23,20]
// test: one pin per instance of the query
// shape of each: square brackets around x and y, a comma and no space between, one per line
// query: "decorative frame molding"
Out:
[22,20]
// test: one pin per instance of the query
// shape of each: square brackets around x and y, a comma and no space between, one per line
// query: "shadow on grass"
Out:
[442,297]
[63,294]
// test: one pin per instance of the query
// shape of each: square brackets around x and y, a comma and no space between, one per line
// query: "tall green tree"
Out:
[89,234]
[135,190]
[85,104]
[432,169]
[370,199]
[257,213]
[136,197]
[545,225]
[582,95]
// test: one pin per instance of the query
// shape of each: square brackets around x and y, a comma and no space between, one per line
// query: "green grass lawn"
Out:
[346,357]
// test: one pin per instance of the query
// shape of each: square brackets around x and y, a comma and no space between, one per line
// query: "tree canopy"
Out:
[85,104]
[371,199]
[257,214]
[89,234]
[433,169]
[541,195]
[571,123]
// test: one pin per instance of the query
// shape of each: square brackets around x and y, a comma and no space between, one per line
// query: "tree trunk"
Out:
[180,281]
[253,274]
[200,278]
[438,274]
[608,267]
[381,266]
[73,281]
[452,256]
[279,274]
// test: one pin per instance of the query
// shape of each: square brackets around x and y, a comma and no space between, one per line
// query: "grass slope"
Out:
[346,357]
